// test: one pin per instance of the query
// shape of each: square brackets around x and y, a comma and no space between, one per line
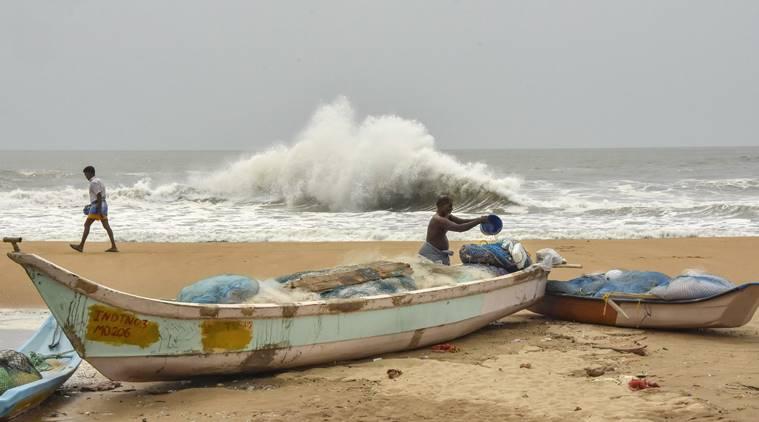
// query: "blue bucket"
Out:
[493,226]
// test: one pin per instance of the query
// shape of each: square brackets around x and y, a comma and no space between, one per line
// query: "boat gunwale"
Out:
[182,310]
[623,299]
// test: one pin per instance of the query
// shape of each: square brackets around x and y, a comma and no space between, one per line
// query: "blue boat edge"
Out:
[25,397]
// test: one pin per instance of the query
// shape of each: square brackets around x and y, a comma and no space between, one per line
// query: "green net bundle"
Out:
[15,370]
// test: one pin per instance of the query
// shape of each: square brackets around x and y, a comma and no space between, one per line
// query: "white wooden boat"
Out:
[47,341]
[132,338]
[729,309]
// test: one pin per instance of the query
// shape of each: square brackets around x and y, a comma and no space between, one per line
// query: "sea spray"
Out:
[338,163]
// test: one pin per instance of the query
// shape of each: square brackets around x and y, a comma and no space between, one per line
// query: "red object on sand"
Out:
[445,347]
[636,384]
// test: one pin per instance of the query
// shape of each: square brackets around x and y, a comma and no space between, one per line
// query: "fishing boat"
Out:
[61,359]
[132,338]
[732,308]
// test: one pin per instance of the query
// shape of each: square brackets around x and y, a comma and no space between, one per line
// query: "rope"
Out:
[631,295]
[56,337]
[606,302]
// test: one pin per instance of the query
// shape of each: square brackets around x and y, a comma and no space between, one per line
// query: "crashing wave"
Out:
[380,163]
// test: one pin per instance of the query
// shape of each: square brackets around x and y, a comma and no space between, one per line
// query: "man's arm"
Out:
[449,225]
[462,220]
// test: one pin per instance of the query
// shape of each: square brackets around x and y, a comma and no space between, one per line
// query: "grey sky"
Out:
[242,74]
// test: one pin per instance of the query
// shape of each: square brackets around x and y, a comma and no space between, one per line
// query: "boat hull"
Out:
[727,310]
[177,367]
[131,338]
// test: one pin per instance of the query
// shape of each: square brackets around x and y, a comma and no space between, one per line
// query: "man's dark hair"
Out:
[443,200]
[89,169]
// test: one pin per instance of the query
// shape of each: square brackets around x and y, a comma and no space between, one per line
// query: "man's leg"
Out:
[80,246]
[108,230]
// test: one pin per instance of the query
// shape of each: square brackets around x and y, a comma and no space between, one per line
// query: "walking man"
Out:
[97,210]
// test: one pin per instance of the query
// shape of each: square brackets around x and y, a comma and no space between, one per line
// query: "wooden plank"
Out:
[567,266]
[319,281]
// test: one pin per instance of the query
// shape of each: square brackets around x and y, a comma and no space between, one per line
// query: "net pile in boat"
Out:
[15,370]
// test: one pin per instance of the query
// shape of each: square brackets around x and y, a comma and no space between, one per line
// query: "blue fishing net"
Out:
[372,288]
[226,288]
[488,254]
[597,285]
[586,285]
[683,287]
[633,282]
[693,286]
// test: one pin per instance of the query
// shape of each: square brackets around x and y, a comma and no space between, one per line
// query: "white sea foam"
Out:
[339,163]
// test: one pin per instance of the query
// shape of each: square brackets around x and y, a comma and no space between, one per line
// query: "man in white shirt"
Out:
[96,210]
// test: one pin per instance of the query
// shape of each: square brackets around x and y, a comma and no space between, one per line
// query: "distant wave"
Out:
[338,163]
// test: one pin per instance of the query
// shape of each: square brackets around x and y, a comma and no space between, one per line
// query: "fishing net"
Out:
[692,286]
[40,361]
[508,254]
[686,286]
[372,288]
[225,288]
[15,370]
[615,281]
[632,282]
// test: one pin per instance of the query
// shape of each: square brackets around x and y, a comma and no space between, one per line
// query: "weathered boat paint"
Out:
[730,309]
[112,325]
[127,337]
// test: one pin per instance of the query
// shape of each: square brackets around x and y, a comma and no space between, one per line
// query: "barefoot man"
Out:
[97,210]
[436,247]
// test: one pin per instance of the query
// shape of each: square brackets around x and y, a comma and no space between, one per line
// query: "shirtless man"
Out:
[436,247]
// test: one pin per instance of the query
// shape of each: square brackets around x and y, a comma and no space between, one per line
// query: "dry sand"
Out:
[704,374]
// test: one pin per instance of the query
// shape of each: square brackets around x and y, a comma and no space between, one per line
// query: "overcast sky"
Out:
[489,74]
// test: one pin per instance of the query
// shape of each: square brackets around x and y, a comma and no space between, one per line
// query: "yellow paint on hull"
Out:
[115,326]
[221,336]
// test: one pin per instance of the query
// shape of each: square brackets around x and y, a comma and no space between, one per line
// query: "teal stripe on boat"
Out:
[354,325]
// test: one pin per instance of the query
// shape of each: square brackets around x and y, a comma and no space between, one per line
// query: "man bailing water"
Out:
[436,247]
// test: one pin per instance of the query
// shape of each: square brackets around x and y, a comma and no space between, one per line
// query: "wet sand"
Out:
[524,366]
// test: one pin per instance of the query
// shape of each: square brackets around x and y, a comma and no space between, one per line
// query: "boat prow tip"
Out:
[14,241]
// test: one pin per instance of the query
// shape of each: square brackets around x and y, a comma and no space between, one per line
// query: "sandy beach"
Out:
[160,270]
[523,366]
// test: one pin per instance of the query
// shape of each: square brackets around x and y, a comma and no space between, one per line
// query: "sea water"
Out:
[377,178]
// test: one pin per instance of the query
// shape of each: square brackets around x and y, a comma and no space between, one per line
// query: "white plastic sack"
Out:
[549,257]
[518,253]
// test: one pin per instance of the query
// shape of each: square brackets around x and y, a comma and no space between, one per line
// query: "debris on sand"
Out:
[595,372]
[394,373]
[101,386]
[636,384]
[445,347]
[638,350]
